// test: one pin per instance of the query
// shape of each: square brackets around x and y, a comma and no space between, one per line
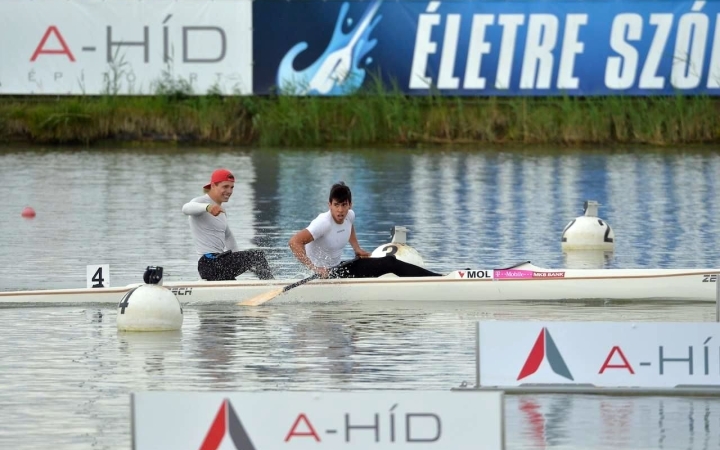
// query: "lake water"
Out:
[66,373]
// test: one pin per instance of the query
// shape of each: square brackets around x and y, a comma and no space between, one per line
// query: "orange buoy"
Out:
[28,212]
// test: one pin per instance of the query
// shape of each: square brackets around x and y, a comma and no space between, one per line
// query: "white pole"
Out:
[477,353]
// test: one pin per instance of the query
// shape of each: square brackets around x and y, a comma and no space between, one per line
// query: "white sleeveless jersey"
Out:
[330,239]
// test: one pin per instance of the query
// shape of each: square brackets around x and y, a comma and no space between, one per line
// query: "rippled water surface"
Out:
[66,372]
[122,207]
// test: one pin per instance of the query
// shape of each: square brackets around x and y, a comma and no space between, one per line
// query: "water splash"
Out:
[337,71]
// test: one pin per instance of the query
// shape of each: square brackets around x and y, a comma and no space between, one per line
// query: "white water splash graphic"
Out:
[337,71]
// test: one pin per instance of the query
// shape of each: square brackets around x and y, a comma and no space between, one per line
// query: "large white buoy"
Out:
[149,307]
[588,232]
[399,248]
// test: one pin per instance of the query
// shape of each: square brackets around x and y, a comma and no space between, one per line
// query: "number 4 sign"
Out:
[98,276]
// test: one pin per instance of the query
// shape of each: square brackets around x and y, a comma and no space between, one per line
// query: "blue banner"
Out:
[477,48]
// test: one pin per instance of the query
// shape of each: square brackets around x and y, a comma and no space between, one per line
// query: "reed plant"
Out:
[374,116]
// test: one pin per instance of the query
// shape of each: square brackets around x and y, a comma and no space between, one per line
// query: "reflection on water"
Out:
[66,372]
[464,209]
[587,259]
[149,351]
[610,422]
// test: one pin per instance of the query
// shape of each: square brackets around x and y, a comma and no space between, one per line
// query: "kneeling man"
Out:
[320,245]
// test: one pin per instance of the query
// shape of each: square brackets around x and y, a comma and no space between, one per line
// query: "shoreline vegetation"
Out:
[374,117]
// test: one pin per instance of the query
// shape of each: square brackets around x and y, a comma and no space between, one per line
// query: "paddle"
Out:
[267,296]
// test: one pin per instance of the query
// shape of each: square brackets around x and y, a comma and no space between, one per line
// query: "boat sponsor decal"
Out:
[514,274]
[392,420]
[602,354]
[709,278]
[475,274]
[181,290]
[548,274]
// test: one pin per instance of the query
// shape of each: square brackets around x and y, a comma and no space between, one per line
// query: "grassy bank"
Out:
[377,118]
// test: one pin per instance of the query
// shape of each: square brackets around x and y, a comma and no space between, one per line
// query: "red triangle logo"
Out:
[227,422]
[545,348]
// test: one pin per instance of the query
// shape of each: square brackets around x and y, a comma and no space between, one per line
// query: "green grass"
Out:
[374,116]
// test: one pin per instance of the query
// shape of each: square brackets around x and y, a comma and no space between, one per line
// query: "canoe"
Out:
[519,282]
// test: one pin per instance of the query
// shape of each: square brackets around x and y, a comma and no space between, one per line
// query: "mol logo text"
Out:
[475,274]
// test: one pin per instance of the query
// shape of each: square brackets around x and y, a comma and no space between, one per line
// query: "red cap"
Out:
[219,176]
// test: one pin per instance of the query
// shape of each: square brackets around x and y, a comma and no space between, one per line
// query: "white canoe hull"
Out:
[466,286]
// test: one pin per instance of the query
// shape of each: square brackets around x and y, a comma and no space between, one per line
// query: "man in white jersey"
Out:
[320,245]
[220,258]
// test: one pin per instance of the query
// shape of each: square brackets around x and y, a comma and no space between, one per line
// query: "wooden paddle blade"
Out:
[262,298]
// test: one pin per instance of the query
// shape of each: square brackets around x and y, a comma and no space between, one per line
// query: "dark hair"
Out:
[340,193]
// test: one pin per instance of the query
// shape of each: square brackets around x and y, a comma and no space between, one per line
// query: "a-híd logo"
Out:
[545,348]
[227,423]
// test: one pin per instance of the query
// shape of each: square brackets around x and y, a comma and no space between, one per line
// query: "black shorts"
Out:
[375,267]
[228,265]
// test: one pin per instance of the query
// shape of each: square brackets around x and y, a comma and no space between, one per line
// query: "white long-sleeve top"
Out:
[211,233]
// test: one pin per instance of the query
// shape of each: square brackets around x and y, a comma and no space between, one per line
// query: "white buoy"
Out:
[149,307]
[588,232]
[398,248]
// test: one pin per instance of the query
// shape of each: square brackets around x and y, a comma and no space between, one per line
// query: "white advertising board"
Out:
[125,47]
[607,354]
[304,420]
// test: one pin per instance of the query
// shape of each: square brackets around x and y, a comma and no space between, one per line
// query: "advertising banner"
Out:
[481,48]
[603,354]
[125,47]
[394,420]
